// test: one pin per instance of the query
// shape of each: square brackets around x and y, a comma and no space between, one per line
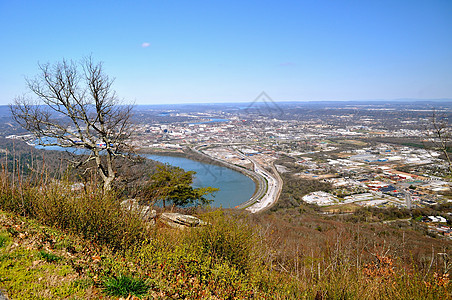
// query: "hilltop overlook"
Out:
[335,244]
[210,150]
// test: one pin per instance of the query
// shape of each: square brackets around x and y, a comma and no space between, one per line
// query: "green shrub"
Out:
[217,261]
[227,240]
[49,257]
[123,286]
[4,239]
[89,213]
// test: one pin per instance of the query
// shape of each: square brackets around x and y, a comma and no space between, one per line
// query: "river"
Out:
[235,188]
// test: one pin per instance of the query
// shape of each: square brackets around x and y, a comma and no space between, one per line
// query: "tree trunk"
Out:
[107,175]
[110,172]
[107,183]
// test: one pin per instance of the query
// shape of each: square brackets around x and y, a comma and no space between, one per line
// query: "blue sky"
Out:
[229,51]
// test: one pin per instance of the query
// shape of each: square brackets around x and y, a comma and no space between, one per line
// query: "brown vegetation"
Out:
[284,254]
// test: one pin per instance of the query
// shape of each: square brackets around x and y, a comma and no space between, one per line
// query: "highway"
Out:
[273,191]
[268,185]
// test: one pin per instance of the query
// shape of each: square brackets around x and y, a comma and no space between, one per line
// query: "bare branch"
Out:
[75,106]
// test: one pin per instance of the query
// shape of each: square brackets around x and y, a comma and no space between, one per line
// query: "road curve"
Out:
[274,187]
[268,185]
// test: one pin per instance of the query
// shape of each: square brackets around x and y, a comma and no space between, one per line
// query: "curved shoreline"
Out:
[196,155]
[268,186]
[259,181]
[200,157]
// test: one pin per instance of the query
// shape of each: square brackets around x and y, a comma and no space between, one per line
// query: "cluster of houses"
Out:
[437,224]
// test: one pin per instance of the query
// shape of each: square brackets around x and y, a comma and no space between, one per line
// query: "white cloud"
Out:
[145,45]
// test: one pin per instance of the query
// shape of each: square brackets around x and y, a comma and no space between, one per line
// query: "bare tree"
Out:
[73,105]
[439,137]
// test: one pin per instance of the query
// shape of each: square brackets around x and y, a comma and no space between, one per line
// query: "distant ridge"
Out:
[4,109]
[305,101]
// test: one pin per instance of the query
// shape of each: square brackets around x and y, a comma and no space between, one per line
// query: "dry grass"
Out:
[88,212]
[286,254]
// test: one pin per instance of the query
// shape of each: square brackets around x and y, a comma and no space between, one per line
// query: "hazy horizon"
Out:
[287,101]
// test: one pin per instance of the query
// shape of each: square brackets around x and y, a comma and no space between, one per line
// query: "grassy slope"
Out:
[38,262]
[285,254]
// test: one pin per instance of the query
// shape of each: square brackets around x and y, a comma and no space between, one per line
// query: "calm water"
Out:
[235,188]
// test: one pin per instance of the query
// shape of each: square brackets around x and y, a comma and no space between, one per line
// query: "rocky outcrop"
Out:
[149,215]
[181,221]
[144,211]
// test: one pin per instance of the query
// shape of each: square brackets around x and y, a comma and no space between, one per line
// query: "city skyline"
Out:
[202,52]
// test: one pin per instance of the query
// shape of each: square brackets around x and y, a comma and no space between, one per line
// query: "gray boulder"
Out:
[144,211]
[181,221]
[2,296]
